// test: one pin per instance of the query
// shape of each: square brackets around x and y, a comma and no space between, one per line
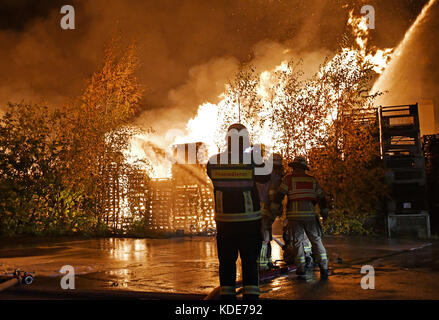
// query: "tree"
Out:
[100,128]
[241,103]
[298,115]
[328,118]
[65,169]
[347,163]
[33,159]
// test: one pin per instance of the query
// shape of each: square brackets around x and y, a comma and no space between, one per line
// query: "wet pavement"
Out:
[403,270]
[187,268]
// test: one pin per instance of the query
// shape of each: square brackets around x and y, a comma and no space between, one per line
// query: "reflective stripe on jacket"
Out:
[232,176]
[250,213]
[236,195]
[303,192]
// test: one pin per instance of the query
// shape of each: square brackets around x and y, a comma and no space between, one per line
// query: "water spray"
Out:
[379,84]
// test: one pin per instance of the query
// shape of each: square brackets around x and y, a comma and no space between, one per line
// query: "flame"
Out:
[208,124]
[202,127]
[378,58]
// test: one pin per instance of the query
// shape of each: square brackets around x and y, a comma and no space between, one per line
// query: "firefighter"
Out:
[237,213]
[269,213]
[304,193]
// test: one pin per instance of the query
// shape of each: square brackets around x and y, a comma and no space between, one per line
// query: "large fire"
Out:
[379,58]
[208,124]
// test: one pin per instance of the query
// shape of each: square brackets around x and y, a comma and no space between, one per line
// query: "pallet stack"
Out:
[405,171]
[160,215]
[193,210]
[183,203]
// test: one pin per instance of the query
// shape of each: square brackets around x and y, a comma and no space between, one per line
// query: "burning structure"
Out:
[183,203]
[180,196]
[180,203]
[283,110]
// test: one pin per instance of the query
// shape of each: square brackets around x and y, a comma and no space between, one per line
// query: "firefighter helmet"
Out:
[237,126]
[299,162]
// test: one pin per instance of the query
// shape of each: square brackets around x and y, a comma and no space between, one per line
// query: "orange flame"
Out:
[206,124]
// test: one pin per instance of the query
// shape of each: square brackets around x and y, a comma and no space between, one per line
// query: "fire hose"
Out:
[18,277]
[265,276]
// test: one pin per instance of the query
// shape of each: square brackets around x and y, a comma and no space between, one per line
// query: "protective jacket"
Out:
[236,195]
[303,193]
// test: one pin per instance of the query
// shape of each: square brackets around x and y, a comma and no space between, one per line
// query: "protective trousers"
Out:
[245,239]
[298,229]
[264,259]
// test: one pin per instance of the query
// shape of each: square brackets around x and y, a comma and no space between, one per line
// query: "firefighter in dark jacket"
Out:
[234,174]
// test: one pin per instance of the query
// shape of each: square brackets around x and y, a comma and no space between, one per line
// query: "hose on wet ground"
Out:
[18,277]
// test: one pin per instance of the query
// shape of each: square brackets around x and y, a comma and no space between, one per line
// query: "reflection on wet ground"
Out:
[404,269]
[168,265]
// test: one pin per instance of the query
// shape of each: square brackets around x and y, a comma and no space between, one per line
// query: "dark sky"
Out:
[15,14]
[187,47]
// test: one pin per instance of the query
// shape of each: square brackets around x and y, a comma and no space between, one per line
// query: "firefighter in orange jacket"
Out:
[304,193]
[237,213]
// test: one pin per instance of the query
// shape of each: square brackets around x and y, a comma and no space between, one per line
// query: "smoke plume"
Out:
[188,49]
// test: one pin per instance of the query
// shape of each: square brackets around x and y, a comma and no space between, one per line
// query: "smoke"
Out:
[40,61]
[188,49]
[413,74]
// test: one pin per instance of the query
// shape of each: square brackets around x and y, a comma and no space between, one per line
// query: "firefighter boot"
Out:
[301,273]
[324,274]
